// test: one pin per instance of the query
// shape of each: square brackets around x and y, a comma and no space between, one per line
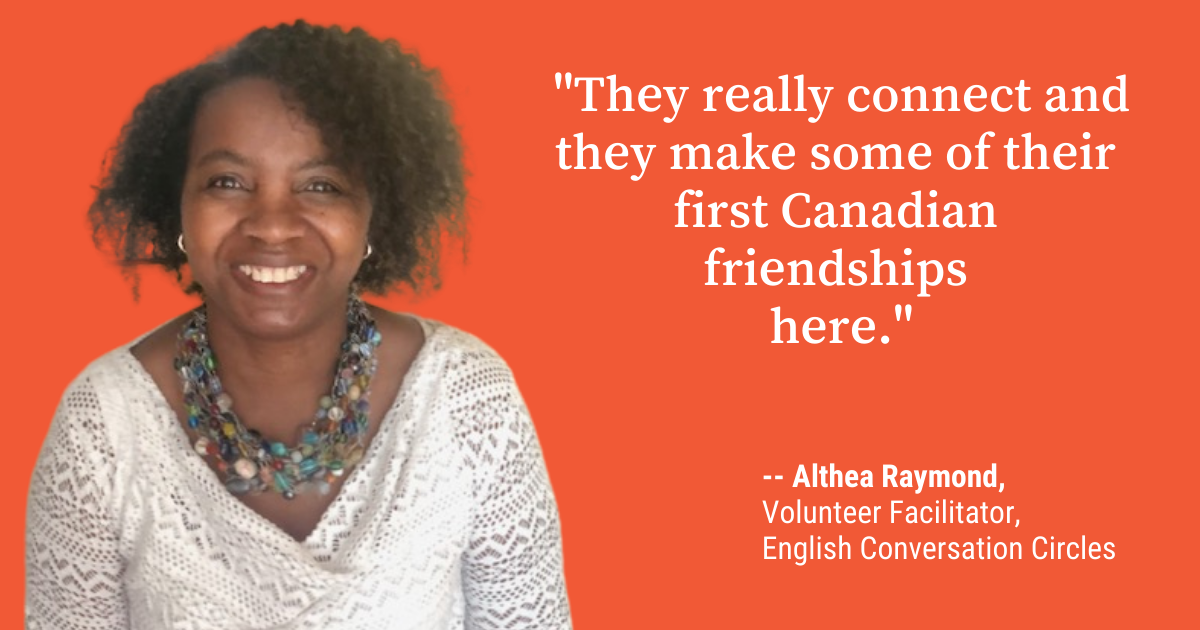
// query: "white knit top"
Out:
[448,522]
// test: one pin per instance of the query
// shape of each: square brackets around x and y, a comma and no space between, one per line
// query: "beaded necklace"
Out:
[249,463]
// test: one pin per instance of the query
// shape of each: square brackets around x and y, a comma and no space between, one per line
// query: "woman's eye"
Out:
[224,181]
[322,187]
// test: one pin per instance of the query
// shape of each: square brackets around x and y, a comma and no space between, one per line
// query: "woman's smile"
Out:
[272,275]
[273,280]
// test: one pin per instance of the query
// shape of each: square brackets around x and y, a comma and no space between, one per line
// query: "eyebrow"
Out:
[217,155]
[317,163]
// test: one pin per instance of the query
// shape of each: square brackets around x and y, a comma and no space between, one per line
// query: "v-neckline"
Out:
[208,476]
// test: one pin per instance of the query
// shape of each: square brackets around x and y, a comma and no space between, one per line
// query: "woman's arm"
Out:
[513,569]
[73,567]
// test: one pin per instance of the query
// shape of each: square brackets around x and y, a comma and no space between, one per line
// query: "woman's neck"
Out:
[276,383]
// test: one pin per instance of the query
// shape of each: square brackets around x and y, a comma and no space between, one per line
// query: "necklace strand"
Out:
[247,462]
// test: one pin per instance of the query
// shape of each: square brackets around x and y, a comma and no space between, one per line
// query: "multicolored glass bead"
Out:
[248,463]
[245,468]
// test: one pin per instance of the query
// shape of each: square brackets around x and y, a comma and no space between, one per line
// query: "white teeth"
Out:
[272,275]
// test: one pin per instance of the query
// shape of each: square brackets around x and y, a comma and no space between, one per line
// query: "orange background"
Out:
[1068,357]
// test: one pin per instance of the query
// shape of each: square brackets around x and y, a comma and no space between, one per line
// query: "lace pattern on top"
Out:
[448,522]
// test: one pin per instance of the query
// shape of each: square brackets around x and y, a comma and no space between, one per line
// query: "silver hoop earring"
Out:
[180,244]
[369,250]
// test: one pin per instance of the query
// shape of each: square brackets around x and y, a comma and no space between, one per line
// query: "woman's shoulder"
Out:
[109,391]
[106,375]
[132,364]
[99,414]
[460,368]
[458,350]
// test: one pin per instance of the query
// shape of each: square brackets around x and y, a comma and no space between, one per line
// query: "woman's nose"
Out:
[273,217]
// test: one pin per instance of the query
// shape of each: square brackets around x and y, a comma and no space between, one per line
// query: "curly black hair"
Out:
[380,112]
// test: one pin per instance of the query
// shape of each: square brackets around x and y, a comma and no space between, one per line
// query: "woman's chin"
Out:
[277,311]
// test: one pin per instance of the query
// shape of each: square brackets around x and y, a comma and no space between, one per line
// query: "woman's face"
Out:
[274,231]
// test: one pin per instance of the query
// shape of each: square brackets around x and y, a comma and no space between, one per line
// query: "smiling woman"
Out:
[286,455]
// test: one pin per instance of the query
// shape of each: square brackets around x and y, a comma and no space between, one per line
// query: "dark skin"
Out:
[260,195]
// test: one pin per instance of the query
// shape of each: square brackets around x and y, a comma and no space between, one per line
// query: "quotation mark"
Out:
[558,77]
[907,317]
